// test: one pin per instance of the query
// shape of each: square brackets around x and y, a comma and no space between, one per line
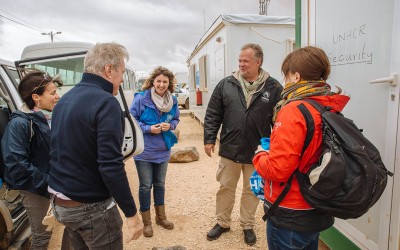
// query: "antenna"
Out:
[264,6]
[204,20]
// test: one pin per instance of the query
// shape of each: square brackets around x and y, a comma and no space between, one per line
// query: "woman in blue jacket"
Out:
[157,113]
[25,148]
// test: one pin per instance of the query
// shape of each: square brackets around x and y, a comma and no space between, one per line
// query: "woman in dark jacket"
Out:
[25,148]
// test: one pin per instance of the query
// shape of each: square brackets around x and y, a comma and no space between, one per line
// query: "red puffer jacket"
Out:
[287,141]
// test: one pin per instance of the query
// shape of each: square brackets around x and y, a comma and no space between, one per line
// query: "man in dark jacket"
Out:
[243,103]
[88,174]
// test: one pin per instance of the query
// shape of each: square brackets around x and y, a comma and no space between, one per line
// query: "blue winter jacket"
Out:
[146,113]
[25,148]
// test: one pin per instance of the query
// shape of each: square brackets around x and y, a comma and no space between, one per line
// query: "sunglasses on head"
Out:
[47,78]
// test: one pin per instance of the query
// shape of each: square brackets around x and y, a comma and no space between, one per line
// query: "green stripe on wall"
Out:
[298,23]
[335,240]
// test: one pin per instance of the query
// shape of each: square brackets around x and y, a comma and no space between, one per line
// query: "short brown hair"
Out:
[258,52]
[310,62]
[35,82]
[160,71]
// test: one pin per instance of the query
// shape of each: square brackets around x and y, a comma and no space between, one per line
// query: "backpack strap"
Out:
[319,107]
[309,124]
[32,132]
[310,133]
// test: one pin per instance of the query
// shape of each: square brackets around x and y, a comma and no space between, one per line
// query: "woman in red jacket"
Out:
[294,224]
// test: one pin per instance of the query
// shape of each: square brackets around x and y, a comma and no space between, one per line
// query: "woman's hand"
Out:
[156,128]
[165,126]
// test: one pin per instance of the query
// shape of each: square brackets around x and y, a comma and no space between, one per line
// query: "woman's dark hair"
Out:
[160,71]
[310,62]
[35,82]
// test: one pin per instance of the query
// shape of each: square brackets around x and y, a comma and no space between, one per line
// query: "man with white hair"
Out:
[87,172]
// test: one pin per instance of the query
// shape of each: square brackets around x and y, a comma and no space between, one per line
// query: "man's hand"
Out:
[208,148]
[135,227]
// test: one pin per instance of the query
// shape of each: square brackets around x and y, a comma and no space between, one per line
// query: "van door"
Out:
[361,39]
[70,68]
[14,224]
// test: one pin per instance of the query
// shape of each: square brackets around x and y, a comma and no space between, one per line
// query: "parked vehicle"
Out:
[15,231]
[66,59]
[183,97]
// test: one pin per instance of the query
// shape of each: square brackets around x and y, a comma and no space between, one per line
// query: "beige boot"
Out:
[161,218]
[147,229]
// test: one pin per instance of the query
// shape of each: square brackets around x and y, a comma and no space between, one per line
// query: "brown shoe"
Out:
[161,218]
[147,229]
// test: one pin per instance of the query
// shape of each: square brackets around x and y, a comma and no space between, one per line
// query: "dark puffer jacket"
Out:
[25,148]
[242,127]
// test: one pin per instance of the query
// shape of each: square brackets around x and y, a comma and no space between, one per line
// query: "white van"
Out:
[66,59]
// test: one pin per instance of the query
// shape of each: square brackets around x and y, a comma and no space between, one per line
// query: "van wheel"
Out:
[186,106]
[5,237]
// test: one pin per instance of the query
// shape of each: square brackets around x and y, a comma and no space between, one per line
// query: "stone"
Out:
[187,154]
[177,247]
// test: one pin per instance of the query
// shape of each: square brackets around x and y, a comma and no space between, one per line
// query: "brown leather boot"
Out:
[147,229]
[161,218]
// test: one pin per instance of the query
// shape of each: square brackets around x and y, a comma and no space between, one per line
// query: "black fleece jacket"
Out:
[242,126]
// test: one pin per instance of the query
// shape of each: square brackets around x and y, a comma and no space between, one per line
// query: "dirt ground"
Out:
[190,202]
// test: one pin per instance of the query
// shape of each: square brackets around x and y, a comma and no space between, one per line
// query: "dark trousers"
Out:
[92,225]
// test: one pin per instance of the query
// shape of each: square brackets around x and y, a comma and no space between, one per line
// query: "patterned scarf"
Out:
[163,103]
[249,89]
[302,89]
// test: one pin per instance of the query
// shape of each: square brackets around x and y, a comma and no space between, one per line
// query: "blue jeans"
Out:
[279,238]
[151,175]
[92,225]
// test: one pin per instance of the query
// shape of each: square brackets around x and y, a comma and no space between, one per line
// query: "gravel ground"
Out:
[190,202]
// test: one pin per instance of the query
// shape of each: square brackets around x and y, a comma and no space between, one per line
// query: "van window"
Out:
[70,70]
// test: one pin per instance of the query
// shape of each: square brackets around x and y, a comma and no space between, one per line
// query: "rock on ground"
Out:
[184,155]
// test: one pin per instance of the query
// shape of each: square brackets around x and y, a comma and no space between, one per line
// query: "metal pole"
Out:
[52,34]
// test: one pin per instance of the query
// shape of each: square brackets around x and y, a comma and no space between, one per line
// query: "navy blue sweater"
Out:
[86,139]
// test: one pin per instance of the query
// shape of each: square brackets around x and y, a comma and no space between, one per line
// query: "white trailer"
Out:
[216,54]
[362,41]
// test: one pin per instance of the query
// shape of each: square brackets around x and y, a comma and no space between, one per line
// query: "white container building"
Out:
[216,54]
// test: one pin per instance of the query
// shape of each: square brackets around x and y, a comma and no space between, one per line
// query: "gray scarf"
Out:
[163,103]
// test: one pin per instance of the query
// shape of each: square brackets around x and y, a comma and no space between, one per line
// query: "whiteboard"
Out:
[357,37]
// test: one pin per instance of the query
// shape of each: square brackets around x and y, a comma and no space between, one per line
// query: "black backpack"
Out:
[350,176]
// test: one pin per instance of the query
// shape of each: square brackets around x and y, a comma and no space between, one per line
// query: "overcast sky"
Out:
[154,32]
